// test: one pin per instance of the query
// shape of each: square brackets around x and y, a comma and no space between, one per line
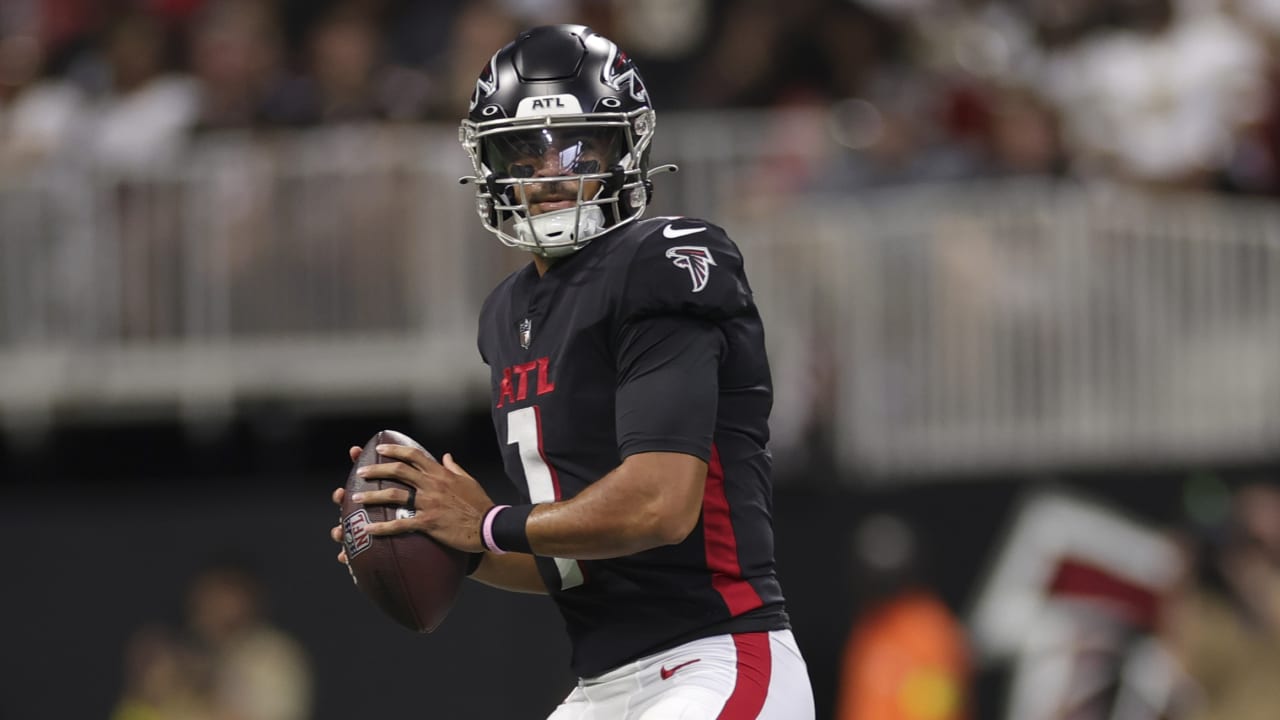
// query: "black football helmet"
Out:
[567,95]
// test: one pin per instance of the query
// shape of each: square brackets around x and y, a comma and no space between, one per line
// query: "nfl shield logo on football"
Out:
[526,333]
[355,535]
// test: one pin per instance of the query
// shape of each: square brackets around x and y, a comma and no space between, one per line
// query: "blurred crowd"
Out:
[1169,92]
[1165,93]
[226,660]
[1221,622]
[1087,612]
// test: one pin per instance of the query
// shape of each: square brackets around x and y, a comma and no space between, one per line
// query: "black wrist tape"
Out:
[509,529]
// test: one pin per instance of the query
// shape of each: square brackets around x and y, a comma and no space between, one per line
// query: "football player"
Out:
[630,396]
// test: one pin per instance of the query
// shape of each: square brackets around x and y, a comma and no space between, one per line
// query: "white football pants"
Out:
[748,676]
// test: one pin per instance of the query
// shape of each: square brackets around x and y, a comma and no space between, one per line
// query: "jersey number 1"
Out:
[524,430]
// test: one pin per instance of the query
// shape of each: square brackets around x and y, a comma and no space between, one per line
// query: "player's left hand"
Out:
[449,504]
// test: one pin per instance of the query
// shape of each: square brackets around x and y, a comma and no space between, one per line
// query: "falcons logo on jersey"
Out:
[697,260]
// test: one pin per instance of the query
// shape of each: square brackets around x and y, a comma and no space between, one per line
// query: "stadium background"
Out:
[1002,247]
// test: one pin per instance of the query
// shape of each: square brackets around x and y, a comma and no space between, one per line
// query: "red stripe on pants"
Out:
[752,685]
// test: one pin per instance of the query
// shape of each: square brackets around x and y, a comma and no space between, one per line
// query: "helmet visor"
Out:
[556,151]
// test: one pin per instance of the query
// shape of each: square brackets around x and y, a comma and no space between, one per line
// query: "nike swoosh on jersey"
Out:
[671,233]
[667,673]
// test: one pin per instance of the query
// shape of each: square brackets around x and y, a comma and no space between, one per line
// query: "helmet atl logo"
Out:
[697,260]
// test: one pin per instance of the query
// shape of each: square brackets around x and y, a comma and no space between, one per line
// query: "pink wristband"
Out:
[486,530]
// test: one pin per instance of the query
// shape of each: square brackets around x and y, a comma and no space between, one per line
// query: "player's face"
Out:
[554,153]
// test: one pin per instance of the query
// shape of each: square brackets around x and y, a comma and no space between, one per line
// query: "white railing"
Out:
[978,328]
[1036,326]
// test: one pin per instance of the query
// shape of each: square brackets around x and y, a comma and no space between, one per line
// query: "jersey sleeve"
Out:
[668,386]
[685,267]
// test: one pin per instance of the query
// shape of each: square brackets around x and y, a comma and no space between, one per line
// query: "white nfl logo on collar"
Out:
[526,333]
[697,260]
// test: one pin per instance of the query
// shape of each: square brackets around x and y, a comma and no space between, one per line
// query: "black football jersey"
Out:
[645,340]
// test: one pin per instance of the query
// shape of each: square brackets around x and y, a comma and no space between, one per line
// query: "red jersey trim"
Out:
[722,544]
[751,688]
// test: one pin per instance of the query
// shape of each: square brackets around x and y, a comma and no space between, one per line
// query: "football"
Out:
[413,578]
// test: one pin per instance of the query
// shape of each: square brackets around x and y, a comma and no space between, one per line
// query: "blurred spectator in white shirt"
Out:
[144,119]
[37,117]
[1161,99]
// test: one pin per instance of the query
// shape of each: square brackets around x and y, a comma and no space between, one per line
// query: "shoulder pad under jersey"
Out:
[684,266]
